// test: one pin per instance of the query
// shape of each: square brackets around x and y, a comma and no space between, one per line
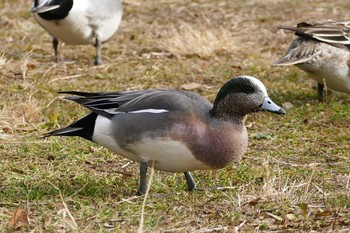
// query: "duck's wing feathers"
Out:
[301,50]
[109,104]
[44,6]
[332,32]
[104,100]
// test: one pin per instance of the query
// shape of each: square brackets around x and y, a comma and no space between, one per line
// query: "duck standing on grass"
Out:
[179,131]
[79,22]
[323,51]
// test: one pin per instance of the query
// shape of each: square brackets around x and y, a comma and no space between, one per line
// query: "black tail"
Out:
[83,127]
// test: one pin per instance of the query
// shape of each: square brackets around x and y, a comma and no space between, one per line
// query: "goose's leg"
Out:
[190,182]
[55,48]
[143,178]
[98,45]
[320,88]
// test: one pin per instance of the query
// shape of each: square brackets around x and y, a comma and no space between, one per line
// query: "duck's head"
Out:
[243,95]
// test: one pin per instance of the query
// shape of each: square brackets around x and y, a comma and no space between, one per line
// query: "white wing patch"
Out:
[44,2]
[44,6]
[151,110]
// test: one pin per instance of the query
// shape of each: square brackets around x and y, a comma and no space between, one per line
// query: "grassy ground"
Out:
[294,176]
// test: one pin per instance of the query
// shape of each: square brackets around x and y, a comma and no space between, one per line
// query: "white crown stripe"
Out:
[258,83]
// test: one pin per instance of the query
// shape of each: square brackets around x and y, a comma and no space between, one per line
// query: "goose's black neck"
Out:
[58,13]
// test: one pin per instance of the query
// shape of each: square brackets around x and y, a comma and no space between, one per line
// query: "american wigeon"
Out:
[323,51]
[79,22]
[179,130]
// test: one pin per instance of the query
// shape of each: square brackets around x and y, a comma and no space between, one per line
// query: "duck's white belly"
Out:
[331,68]
[168,155]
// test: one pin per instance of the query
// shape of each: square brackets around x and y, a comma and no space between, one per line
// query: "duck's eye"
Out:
[249,90]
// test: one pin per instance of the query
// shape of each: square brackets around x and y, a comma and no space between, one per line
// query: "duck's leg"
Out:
[143,178]
[55,48]
[320,88]
[190,182]
[98,45]
[193,187]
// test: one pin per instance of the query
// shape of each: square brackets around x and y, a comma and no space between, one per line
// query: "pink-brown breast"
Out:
[216,144]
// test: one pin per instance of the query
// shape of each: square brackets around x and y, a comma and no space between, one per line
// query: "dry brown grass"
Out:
[294,176]
[202,41]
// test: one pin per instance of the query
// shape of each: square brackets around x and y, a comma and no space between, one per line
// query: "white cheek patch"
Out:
[151,110]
